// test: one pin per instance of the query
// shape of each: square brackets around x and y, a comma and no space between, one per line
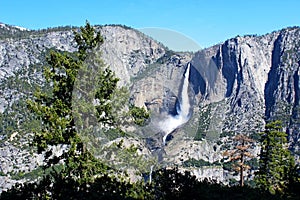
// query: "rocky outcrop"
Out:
[128,52]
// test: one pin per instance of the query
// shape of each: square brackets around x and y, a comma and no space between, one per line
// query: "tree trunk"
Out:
[242,171]
[242,176]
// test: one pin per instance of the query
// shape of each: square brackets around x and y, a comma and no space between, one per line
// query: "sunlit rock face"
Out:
[128,52]
[256,76]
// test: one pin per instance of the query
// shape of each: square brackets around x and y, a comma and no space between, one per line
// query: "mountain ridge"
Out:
[235,87]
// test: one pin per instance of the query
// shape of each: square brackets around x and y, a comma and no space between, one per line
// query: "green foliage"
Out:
[276,162]
[173,184]
[87,39]
[96,83]
[294,183]
[103,187]
[240,154]
[209,115]
[16,119]
[107,84]
[120,25]
[149,70]
[199,163]
[204,122]
[15,33]
[253,163]
[166,184]
[153,67]
[56,111]
[84,103]
[227,133]
[227,166]
[124,153]
[36,173]
[140,115]
[168,54]
[282,112]
[120,106]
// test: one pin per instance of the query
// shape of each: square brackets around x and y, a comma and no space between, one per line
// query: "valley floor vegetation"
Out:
[78,174]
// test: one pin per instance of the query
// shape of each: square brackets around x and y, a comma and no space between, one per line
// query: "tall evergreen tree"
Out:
[55,109]
[276,162]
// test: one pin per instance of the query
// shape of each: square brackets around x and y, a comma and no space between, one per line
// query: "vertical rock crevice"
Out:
[273,78]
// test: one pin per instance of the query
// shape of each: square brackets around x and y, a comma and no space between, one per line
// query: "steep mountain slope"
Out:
[233,88]
[257,77]
[127,51]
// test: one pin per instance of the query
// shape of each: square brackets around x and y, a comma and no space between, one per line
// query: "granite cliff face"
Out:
[233,88]
[255,78]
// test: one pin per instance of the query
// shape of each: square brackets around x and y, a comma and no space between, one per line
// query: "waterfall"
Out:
[150,175]
[172,122]
[185,101]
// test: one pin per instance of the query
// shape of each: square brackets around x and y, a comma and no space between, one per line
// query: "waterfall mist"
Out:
[172,122]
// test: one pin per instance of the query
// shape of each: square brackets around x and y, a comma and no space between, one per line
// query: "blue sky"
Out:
[207,22]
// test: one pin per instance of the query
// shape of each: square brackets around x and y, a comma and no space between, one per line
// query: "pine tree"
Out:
[240,153]
[275,162]
[55,109]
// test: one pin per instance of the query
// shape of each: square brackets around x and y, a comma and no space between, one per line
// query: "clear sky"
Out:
[207,22]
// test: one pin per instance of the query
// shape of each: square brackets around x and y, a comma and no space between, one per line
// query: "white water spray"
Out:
[172,122]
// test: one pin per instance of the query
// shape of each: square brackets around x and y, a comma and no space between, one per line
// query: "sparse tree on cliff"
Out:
[240,154]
